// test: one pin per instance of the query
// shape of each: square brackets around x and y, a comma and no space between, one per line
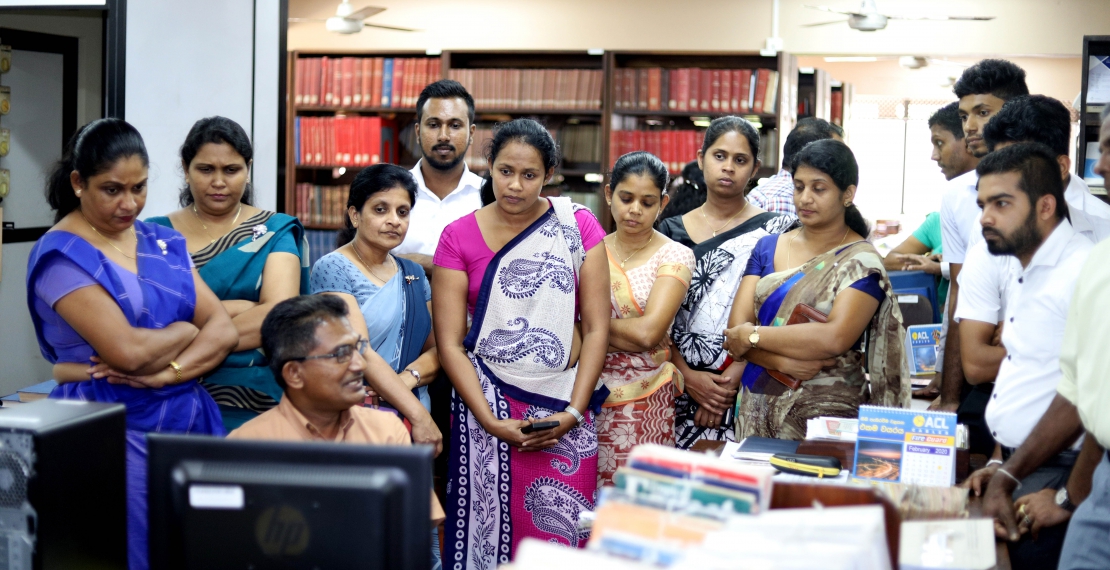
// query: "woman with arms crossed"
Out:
[388,296]
[251,258]
[648,275]
[118,300]
[520,269]
[722,232]
[827,265]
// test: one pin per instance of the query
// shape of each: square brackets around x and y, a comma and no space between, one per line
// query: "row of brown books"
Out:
[694,89]
[579,144]
[528,89]
[321,205]
[362,82]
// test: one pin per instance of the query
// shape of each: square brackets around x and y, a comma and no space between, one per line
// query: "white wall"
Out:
[1041,27]
[189,60]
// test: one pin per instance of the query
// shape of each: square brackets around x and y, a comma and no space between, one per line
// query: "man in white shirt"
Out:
[982,89]
[1025,216]
[983,281]
[447,189]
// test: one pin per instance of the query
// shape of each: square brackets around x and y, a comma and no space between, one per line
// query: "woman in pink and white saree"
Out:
[521,270]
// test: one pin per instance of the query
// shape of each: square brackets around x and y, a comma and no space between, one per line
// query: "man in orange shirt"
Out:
[317,359]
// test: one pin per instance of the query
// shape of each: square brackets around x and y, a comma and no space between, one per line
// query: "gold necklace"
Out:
[790,245]
[93,228]
[617,240]
[367,265]
[701,210]
[195,214]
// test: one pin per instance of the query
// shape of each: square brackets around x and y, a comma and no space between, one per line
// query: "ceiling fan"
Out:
[869,19]
[347,20]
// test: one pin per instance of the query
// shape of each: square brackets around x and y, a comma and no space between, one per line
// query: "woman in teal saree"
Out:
[251,258]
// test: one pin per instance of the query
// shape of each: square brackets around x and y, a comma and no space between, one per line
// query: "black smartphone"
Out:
[539,426]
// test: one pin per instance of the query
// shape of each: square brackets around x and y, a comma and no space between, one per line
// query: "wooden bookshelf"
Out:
[581,177]
[782,116]
[814,94]
[1089,112]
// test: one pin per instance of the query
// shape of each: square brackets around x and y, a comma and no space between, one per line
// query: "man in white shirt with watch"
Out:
[446,189]
[1025,216]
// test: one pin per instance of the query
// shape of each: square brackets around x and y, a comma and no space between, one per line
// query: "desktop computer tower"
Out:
[62,489]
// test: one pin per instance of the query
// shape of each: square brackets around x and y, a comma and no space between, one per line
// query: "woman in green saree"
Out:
[827,265]
[251,258]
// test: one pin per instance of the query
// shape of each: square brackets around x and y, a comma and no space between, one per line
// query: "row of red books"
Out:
[674,148]
[362,82]
[344,141]
[532,88]
[696,90]
[321,205]
[836,101]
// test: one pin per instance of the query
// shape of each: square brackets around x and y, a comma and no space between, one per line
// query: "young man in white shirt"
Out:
[982,89]
[1025,216]
[446,189]
[1035,118]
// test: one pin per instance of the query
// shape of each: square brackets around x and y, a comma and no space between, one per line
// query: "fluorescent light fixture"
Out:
[851,59]
[806,70]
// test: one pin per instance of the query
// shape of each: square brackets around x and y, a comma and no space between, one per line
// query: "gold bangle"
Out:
[176,368]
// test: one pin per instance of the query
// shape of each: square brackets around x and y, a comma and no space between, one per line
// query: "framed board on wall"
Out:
[43,82]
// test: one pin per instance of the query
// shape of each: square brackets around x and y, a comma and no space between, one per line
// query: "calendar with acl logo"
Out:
[906,446]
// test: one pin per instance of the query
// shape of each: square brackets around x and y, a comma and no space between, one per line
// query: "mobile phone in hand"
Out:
[539,426]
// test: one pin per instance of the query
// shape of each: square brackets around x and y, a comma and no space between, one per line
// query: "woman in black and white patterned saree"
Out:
[722,233]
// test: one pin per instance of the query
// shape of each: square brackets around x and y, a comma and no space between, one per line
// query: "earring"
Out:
[77,192]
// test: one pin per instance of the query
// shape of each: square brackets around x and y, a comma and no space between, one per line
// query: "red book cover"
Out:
[366,86]
[715,90]
[376,83]
[326,81]
[705,90]
[347,87]
[398,82]
[629,80]
[836,104]
[653,142]
[373,130]
[356,82]
[760,89]
[681,95]
[734,90]
[642,88]
[298,81]
[337,82]
[726,91]
[306,140]
[694,102]
[655,88]
[311,80]
[745,90]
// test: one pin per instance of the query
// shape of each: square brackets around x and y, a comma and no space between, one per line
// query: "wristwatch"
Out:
[415,374]
[1063,501]
[753,337]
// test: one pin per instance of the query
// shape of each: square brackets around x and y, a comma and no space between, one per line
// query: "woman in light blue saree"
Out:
[118,308]
[251,258]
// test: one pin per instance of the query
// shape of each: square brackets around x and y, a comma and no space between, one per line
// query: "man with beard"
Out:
[447,189]
[982,89]
[1025,216]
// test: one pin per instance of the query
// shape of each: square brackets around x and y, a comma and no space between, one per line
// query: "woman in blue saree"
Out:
[118,308]
[829,266]
[387,294]
[251,258]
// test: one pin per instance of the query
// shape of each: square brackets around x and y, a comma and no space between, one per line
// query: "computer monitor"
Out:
[218,503]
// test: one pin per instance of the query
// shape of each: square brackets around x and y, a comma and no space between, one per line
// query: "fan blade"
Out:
[294,20]
[943,18]
[395,28]
[363,13]
[823,23]
[827,9]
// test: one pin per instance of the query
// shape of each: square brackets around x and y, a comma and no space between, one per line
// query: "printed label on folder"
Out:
[922,345]
[906,446]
